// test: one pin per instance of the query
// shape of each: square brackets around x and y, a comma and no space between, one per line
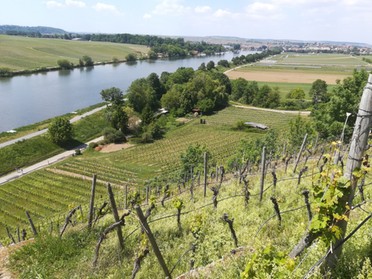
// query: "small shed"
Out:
[256,125]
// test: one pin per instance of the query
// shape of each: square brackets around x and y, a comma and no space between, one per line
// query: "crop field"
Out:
[43,194]
[289,69]
[22,53]
[49,189]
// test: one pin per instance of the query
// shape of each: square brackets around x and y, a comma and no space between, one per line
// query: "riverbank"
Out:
[17,134]
[24,153]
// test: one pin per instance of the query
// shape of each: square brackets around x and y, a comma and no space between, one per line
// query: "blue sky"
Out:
[334,20]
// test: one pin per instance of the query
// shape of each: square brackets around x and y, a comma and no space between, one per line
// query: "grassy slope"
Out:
[256,228]
[34,150]
[22,53]
[135,165]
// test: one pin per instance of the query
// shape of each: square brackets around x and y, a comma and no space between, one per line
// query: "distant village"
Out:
[310,47]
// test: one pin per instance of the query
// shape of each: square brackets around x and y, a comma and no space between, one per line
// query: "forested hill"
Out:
[15,29]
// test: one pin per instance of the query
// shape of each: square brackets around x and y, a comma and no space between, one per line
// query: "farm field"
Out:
[23,53]
[136,165]
[285,87]
[288,69]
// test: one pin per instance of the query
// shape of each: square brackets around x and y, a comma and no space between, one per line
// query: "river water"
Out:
[32,98]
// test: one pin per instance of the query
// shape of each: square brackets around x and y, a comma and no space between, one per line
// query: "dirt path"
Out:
[284,76]
[275,110]
[4,258]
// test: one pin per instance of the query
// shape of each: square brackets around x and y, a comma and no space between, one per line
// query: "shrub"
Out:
[131,57]
[65,64]
[112,135]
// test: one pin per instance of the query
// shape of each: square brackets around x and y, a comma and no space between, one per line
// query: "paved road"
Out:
[38,133]
[45,163]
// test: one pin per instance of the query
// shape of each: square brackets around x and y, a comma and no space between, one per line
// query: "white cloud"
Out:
[222,13]
[170,7]
[261,10]
[66,3]
[73,3]
[54,4]
[202,9]
[102,7]
[147,16]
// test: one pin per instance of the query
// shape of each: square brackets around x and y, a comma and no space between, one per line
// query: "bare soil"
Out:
[112,147]
[4,259]
[285,76]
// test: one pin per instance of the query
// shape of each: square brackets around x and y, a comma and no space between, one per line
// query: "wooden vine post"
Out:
[358,145]
[205,173]
[116,215]
[263,164]
[300,153]
[31,224]
[152,240]
[91,204]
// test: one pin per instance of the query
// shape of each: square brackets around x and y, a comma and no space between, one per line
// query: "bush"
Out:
[5,72]
[131,57]
[112,135]
[65,64]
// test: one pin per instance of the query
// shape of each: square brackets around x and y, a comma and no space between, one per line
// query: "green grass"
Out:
[28,152]
[45,195]
[286,87]
[162,156]
[161,159]
[256,228]
[22,53]
[25,130]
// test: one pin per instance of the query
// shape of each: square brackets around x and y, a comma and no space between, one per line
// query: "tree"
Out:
[60,130]
[318,92]
[193,157]
[142,94]
[111,135]
[65,64]
[156,85]
[224,63]
[115,113]
[202,67]
[297,93]
[131,57]
[113,95]
[88,61]
[210,65]
[330,116]
[117,118]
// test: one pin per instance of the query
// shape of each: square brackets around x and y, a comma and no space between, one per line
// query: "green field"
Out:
[285,88]
[319,60]
[137,164]
[23,53]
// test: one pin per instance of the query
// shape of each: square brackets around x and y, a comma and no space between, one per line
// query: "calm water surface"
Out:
[29,99]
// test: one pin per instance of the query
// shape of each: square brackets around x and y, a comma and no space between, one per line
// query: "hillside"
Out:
[201,239]
[23,53]
[43,30]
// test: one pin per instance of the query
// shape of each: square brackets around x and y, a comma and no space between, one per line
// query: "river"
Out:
[32,98]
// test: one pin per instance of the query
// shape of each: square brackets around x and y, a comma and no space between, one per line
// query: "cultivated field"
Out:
[284,76]
[132,166]
[22,53]
[291,68]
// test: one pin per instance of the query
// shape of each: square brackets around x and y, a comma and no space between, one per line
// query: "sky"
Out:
[319,20]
